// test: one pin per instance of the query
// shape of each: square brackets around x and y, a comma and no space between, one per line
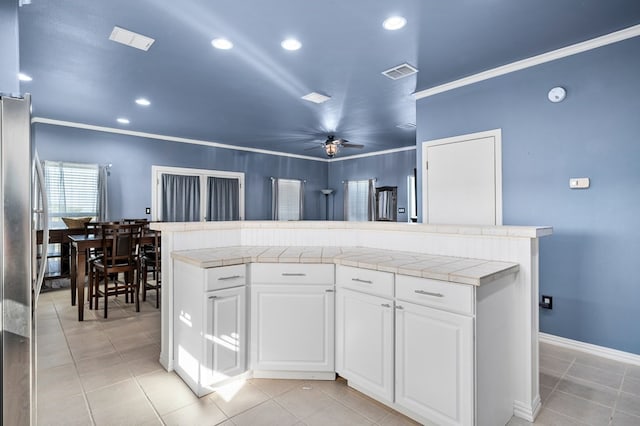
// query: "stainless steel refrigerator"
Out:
[21,283]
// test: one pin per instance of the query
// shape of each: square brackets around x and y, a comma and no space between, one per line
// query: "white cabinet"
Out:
[435,364]
[225,353]
[364,342]
[209,324]
[292,324]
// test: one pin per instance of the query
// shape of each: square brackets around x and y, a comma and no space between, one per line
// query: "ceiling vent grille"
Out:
[129,38]
[400,71]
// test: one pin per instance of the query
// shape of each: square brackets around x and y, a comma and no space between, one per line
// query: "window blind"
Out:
[72,190]
[358,195]
[289,201]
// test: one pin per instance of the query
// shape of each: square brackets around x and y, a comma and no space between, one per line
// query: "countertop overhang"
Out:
[445,268]
[468,230]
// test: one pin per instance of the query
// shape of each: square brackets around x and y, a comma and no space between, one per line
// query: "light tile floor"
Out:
[106,372]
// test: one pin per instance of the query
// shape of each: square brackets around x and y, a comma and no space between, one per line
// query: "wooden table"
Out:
[80,244]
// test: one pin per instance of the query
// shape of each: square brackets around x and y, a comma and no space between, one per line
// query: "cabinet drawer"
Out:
[365,280]
[292,273]
[438,294]
[225,277]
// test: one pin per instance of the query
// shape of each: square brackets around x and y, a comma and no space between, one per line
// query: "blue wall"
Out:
[588,265]
[132,158]
[389,169]
[9,67]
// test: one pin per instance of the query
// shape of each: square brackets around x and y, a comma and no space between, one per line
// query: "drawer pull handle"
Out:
[361,281]
[329,290]
[400,307]
[213,297]
[233,277]
[385,305]
[293,274]
[428,293]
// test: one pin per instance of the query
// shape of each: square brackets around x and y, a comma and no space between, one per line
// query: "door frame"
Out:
[496,134]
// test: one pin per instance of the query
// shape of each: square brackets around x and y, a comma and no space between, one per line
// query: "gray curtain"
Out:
[224,199]
[274,198]
[371,207]
[345,204]
[180,198]
[103,199]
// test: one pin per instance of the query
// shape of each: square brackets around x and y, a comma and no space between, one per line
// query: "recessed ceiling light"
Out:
[122,120]
[394,23]
[221,43]
[316,98]
[143,101]
[291,44]
[24,77]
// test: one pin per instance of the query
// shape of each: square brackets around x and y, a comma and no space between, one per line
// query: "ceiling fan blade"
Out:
[352,145]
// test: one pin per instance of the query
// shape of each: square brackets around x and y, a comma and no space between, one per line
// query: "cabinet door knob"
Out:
[399,307]
[213,297]
[428,293]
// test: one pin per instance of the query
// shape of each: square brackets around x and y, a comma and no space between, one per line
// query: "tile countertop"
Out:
[494,231]
[445,268]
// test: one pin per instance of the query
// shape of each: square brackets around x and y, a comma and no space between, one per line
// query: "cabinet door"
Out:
[434,364]
[292,328]
[224,335]
[364,342]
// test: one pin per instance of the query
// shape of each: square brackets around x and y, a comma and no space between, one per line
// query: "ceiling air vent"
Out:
[400,71]
[129,38]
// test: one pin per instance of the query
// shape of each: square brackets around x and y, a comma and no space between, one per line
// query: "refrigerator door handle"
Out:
[45,230]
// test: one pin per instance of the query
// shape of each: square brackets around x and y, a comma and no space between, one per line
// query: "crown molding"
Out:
[373,154]
[52,122]
[553,55]
[41,120]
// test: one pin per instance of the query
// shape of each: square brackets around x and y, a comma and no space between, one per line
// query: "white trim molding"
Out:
[373,154]
[591,349]
[573,49]
[52,122]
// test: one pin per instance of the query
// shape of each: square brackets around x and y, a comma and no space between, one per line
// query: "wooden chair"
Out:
[151,261]
[120,245]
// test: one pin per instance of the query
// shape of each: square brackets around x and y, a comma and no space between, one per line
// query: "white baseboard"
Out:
[591,349]
[528,412]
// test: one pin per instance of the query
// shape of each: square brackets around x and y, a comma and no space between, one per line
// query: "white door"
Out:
[462,180]
[224,335]
[364,342]
[434,364]
[292,328]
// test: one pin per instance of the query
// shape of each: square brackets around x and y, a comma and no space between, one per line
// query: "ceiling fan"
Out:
[332,145]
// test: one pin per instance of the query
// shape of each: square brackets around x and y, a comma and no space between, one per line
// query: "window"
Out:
[359,200]
[72,190]
[186,195]
[287,199]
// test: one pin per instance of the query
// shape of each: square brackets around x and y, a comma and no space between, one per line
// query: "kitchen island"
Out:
[476,258]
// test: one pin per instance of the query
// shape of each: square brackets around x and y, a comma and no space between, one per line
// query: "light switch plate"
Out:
[579,183]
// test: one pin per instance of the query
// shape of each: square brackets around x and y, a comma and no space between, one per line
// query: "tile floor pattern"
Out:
[106,372]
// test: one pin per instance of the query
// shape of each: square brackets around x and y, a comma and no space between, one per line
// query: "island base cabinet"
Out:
[364,342]
[292,330]
[435,364]
[225,354]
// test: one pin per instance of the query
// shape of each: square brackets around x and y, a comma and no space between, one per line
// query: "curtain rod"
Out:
[301,180]
[375,179]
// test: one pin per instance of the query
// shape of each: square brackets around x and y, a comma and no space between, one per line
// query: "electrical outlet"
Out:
[547,302]
[147,210]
